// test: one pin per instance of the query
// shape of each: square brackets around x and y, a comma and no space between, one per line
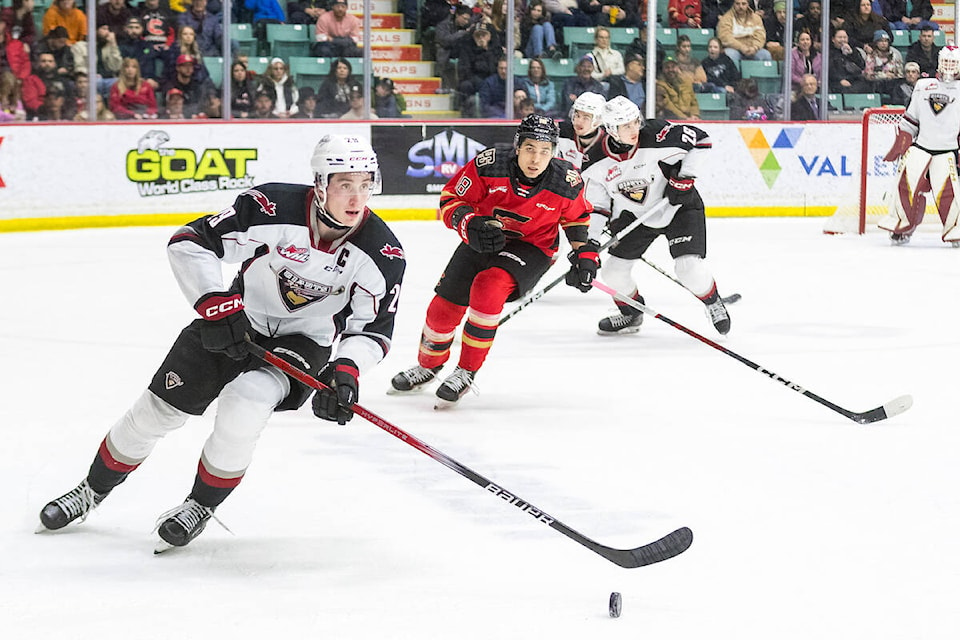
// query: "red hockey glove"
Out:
[901,144]
[585,262]
[336,402]
[226,327]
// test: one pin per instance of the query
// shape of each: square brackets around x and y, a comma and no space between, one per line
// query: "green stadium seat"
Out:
[258,64]
[288,40]
[698,37]
[765,72]
[562,68]
[901,38]
[621,36]
[214,65]
[309,71]
[521,66]
[939,38]
[835,101]
[667,37]
[713,106]
[242,34]
[861,101]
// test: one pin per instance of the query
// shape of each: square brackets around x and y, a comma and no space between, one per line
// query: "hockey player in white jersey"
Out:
[644,163]
[927,140]
[318,285]
[581,135]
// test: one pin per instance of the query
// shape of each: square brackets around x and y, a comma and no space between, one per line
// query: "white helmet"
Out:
[592,103]
[948,64]
[618,111]
[342,154]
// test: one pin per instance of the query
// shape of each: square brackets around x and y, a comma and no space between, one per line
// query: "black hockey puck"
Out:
[616,604]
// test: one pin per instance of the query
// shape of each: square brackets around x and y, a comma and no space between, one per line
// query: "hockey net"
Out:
[877,178]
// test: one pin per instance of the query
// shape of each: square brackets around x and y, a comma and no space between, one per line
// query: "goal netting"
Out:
[877,178]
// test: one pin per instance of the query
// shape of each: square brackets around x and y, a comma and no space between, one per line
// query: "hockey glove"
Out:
[584,261]
[226,327]
[679,191]
[483,234]
[621,222]
[900,145]
[335,403]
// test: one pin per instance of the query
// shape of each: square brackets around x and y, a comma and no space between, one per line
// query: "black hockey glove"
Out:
[621,222]
[483,234]
[226,327]
[336,402]
[584,261]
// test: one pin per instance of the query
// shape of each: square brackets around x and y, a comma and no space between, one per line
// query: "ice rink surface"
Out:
[806,525]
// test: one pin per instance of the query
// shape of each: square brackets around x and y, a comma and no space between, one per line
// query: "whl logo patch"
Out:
[763,152]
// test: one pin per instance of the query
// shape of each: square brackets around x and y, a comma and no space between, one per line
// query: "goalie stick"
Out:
[536,295]
[888,410]
[666,547]
[730,299]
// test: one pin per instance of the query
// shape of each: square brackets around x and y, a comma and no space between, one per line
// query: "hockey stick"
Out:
[733,297]
[666,547]
[536,295]
[890,409]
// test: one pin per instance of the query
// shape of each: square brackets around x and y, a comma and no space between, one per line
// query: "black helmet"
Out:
[537,127]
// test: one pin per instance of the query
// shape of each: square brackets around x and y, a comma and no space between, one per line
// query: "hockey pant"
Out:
[488,293]
[921,171]
[244,406]
[691,270]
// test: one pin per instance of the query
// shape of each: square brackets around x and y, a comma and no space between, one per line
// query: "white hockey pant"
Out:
[616,273]
[920,171]
[243,408]
[693,273]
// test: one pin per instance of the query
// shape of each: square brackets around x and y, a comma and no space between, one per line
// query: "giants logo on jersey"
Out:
[939,101]
[266,206]
[635,190]
[298,292]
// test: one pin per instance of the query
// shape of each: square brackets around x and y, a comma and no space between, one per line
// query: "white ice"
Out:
[806,524]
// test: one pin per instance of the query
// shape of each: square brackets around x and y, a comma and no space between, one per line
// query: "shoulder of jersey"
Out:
[494,161]
[377,240]
[276,203]
[927,84]
[564,179]
[566,130]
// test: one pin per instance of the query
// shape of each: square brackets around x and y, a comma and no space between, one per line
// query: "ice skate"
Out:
[454,387]
[178,526]
[620,324]
[717,313]
[412,379]
[74,504]
[898,239]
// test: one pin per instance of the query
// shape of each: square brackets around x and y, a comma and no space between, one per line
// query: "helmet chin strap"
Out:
[324,217]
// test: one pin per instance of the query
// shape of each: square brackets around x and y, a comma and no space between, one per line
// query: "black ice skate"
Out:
[454,387]
[717,313]
[74,504]
[412,379]
[897,239]
[182,524]
[620,324]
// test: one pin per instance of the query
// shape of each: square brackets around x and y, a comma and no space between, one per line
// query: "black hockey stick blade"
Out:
[730,299]
[665,548]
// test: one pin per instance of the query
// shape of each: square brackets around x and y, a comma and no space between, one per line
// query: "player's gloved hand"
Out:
[226,327]
[900,145]
[483,234]
[335,403]
[621,222]
[679,191]
[585,262]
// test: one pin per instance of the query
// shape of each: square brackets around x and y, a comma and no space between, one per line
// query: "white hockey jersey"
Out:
[933,117]
[635,181]
[291,281]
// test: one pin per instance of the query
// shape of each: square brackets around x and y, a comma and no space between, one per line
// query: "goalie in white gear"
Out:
[927,142]
[643,164]
[581,134]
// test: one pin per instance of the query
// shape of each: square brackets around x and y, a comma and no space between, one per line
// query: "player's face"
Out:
[347,196]
[629,133]
[582,123]
[533,156]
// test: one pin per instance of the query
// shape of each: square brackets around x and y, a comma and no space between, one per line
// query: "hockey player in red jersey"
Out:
[318,268]
[507,205]
[647,162]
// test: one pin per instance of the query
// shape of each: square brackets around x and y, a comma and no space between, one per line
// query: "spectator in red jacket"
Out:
[684,14]
[131,97]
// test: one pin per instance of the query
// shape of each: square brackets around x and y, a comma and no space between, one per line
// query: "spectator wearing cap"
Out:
[630,84]
[775,24]
[277,79]
[884,64]
[184,44]
[607,61]
[114,14]
[450,36]
[263,106]
[55,42]
[53,105]
[338,33]
[333,97]
[208,29]
[678,92]
[582,82]
[742,33]
[132,45]
[174,101]
[385,100]
[131,97]
[193,88]
[307,105]
[861,26]
[478,61]
[64,13]
[356,111]
[903,91]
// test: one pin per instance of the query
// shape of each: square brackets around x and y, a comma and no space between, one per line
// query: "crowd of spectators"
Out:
[150,57]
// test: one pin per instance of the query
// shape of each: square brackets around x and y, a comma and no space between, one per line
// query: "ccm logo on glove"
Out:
[216,306]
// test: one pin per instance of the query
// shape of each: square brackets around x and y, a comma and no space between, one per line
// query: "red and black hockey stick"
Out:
[890,409]
[666,547]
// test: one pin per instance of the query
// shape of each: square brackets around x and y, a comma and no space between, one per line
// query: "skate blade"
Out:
[622,332]
[162,546]
[399,392]
[442,405]
[41,529]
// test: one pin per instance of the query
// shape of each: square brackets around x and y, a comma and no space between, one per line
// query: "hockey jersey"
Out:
[933,117]
[293,282]
[573,151]
[490,185]
[634,180]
